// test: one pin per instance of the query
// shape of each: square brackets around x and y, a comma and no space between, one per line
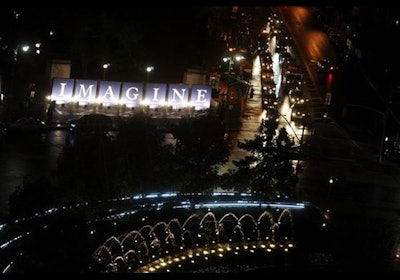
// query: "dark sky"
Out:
[168,36]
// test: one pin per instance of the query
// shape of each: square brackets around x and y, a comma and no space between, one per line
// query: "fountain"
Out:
[167,246]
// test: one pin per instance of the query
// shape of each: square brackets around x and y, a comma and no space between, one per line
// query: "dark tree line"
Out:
[140,159]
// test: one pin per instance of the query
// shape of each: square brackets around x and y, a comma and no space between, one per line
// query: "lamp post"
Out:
[231,60]
[16,52]
[105,67]
[230,107]
[148,70]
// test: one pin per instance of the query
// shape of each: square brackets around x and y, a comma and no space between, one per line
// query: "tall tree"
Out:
[267,170]
[142,156]
[200,149]
[86,168]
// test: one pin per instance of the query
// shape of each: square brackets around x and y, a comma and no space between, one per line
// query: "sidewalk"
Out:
[250,120]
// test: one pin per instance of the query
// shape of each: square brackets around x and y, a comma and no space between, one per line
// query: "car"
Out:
[267,84]
[299,110]
[296,95]
[269,99]
[92,125]
[272,114]
[27,125]
[293,79]
[326,66]
[267,74]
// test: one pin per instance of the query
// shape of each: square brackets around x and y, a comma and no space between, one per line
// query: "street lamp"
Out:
[38,46]
[105,67]
[148,70]
[16,52]
[231,60]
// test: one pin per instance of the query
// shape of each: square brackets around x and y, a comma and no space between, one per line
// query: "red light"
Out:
[329,81]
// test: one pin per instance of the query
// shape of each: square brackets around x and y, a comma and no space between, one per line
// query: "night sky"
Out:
[130,38]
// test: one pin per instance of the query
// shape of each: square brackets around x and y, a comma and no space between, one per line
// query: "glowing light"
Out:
[168,194]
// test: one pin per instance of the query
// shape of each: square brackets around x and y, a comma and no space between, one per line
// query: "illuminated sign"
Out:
[132,95]
[156,95]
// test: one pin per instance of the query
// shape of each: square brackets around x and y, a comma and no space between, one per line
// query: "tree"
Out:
[86,169]
[268,170]
[35,195]
[142,157]
[199,151]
